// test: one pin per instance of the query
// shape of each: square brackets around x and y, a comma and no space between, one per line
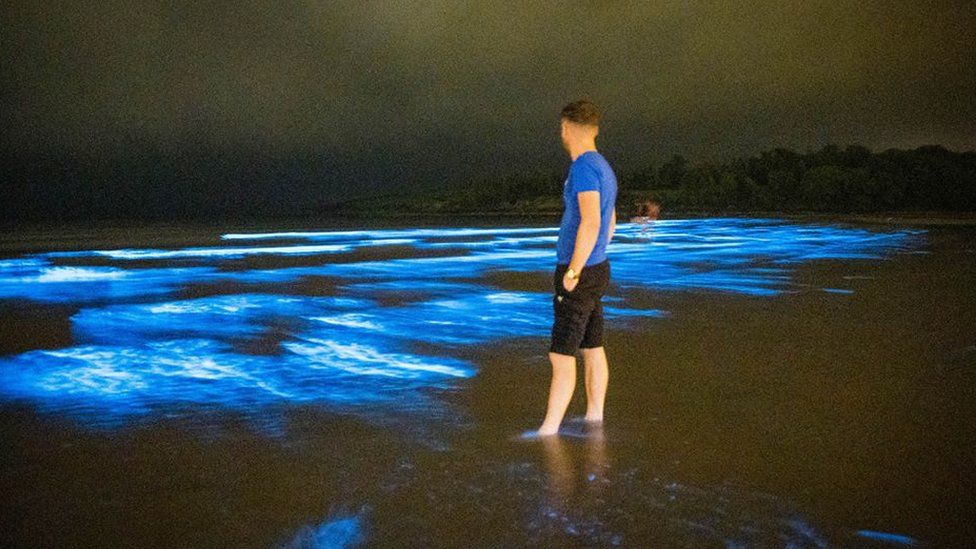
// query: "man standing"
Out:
[582,270]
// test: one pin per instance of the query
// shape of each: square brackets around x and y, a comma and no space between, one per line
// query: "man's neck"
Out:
[575,152]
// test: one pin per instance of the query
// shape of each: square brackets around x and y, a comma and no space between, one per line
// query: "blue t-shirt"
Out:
[589,172]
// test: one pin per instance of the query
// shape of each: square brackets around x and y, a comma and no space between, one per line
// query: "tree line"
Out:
[832,179]
[202,184]
[852,179]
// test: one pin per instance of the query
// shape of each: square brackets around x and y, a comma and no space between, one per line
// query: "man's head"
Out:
[579,122]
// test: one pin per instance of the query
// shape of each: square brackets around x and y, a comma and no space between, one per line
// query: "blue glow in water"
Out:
[208,252]
[106,384]
[886,537]
[459,232]
[34,278]
[222,316]
[137,350]
[337,533]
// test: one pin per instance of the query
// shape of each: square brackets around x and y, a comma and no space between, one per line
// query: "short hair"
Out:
[583,111]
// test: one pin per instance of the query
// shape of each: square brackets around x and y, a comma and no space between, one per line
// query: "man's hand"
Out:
[569,283]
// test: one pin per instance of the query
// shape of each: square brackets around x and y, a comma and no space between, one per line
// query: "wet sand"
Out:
[737,420]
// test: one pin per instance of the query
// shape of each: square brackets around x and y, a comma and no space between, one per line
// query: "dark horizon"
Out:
[299,103]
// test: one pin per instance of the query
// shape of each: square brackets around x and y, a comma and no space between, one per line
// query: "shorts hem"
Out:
[561,351]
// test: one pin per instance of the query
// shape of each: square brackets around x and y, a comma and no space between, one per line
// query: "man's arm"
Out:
[589,228]
[613,224]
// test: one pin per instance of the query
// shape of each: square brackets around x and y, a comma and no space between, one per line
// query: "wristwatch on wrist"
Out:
[571,273]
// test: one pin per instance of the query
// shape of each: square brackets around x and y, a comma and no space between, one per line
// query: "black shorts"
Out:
[578,315]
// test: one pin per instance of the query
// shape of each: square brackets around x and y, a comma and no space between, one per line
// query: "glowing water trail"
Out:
[138,350]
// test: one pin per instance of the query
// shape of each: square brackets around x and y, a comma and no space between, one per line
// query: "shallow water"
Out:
[773,383]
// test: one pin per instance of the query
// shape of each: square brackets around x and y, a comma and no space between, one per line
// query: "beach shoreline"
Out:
[352,219]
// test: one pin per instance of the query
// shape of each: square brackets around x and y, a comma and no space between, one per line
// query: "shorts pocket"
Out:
[564,291]
[572,307]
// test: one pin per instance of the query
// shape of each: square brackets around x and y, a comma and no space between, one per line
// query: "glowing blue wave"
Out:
[340,532]
[107,384]
[386,335]
[36,279]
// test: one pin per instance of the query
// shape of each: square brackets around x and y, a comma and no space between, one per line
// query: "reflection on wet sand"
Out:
[587,499]
[566,473]
[560,471]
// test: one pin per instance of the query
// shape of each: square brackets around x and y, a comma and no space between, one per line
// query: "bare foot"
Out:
[532,435]
[546,431]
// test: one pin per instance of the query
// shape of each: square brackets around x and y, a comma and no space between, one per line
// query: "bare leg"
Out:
[597,377]
[560,391]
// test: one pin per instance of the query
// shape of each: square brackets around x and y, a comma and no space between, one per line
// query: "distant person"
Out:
[582,270]
[647,213]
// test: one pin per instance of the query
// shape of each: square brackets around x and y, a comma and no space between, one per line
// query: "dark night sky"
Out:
[406,92]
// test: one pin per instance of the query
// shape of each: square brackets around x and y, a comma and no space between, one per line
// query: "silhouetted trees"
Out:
[848,180]
[831,179]
[153,184]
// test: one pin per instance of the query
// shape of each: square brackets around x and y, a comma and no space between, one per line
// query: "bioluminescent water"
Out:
[139,347]
[773,383]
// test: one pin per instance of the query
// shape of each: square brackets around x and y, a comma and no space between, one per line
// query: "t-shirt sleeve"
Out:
[584,178]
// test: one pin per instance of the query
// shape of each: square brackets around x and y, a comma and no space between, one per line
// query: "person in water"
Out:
[582,270]
[647,213]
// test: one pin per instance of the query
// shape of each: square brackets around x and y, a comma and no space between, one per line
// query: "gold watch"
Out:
[572,274]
